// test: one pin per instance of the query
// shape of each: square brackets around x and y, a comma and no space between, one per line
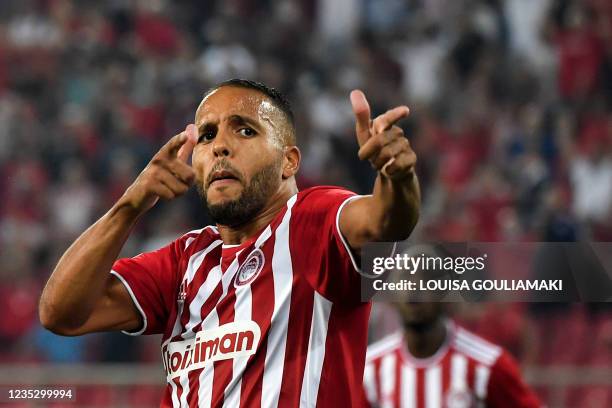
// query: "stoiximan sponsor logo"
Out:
[237,339]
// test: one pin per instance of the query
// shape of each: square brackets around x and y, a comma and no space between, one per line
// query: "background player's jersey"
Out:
[275,321]
[465,372]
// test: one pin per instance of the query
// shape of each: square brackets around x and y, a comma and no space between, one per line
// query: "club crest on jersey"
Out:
[250,269]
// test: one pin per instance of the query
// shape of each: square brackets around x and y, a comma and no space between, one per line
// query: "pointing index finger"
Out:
[173,146]
[389,118]
[361,108]
[192,138]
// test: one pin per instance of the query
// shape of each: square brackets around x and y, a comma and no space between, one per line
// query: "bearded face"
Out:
[240,153]
[248,202]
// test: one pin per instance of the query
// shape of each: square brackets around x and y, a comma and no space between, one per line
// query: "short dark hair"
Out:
[278,99]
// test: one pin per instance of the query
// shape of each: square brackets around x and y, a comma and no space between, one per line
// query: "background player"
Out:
[248,309]
[433,362]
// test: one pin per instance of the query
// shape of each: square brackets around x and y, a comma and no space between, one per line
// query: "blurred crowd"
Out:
[511,118]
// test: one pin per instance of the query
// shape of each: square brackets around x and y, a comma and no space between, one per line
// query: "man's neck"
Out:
[238,235]
[424,342]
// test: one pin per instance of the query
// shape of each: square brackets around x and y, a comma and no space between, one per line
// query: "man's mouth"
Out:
[222,177]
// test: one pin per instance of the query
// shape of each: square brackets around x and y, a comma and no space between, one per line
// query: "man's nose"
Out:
[222,145]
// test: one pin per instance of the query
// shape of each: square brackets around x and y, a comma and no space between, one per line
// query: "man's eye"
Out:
[248,132]
[207,136]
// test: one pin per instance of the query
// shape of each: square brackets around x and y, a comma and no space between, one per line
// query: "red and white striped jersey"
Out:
[467,371]
[275,321]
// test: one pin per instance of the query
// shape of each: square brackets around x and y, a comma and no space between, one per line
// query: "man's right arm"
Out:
[81,296]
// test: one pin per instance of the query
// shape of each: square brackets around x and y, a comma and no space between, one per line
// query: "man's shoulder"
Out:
[323,196]
[384,346]
[476,347]
[324,189]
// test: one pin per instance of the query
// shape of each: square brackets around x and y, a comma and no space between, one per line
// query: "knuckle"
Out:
[391,136]
[379,162]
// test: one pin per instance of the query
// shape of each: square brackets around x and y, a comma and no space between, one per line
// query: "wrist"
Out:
[127,209]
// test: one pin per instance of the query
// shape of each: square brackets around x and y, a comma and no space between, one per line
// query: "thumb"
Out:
[192,138]
[361,109]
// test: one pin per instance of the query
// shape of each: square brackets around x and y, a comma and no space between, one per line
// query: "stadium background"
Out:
[511,120]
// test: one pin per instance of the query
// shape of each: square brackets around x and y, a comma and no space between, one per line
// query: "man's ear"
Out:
[291,161]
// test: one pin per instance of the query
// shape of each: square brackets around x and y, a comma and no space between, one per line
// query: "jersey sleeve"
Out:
[506,387]
[320,251]
[151,279]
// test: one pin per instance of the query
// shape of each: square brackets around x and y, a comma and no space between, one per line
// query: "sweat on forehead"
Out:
[227,100]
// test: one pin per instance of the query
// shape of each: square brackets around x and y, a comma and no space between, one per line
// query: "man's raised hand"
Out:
[381,141]
[168,174]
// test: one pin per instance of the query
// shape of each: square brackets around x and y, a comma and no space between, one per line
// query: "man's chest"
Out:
[218,287]
[229,307]
[449,384]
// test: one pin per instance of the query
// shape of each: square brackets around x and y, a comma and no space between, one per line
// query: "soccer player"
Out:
[433,362]
[264,308]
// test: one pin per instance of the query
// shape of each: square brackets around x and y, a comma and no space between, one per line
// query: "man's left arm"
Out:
[391,212]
